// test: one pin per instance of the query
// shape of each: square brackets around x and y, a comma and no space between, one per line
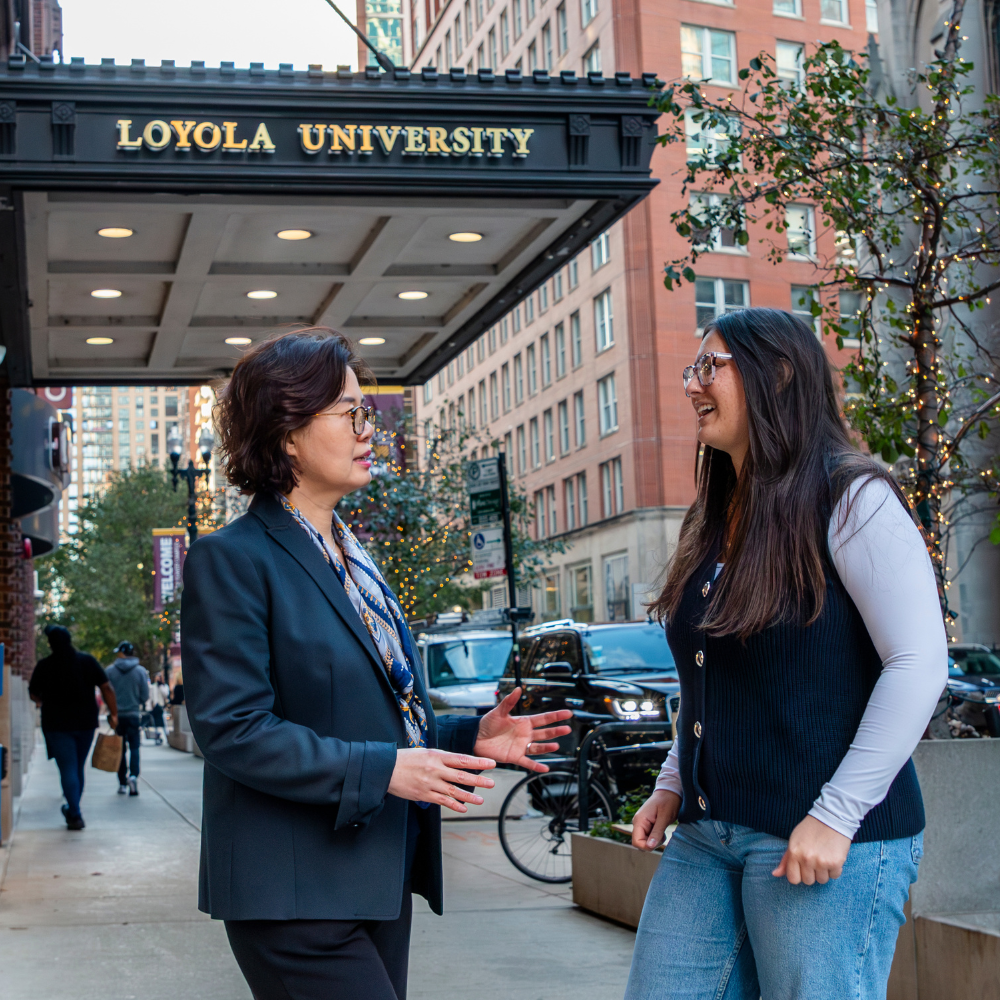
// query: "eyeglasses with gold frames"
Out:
[704,368]
[360,416]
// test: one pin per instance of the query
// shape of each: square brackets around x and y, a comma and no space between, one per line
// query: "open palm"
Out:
[509,739]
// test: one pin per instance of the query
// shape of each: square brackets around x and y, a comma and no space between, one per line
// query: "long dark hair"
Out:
[772,519]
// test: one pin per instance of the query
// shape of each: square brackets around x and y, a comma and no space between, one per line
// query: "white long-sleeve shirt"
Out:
[883,564]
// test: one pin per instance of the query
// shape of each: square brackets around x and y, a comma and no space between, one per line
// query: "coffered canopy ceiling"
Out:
[195,268]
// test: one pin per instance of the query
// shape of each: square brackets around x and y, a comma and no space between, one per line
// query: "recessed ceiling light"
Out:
[465,237]
[101,341]
[412,295]
[115,232]
[371,341]
[262,293]
[238,341]
[294,234]
[106,293]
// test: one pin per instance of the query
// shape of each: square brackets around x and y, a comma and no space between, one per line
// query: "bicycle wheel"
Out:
[537,819]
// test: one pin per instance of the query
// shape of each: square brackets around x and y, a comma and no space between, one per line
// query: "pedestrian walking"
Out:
[802,611]
[325,767]
[159,696]
[63,684]
[131,683]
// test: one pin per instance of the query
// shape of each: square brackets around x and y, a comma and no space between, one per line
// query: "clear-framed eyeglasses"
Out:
[360,415]
[704,368]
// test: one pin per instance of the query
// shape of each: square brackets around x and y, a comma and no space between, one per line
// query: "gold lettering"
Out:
[231,144]
[124,142]
[309,144]
[164,135]
[521,137]
[261,141]
[342,138]
[496,136]
[477,141]
[437,137]
[182,130]
[460,141]
[366,139]
[414,139]
[387,136]
[207,145]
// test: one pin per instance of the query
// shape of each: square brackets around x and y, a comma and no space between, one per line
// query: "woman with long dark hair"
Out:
[325,767]
[803,614]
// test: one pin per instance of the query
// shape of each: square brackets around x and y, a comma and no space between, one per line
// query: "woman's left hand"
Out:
[508,739]
[816,853]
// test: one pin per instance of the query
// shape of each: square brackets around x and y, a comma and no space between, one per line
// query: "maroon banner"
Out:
[60,396]
[169,550]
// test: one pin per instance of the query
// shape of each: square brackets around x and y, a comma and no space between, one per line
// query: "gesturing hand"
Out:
[653,817]
[816,853]
[509,739]
[425,775]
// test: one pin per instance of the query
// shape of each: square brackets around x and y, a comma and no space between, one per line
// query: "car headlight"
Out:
[633,709]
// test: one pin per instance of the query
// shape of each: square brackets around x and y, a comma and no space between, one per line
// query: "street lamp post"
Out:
[206,442]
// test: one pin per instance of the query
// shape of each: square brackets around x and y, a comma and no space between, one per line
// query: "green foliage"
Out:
[629,805]
[99,584]
[911,189]
[414,517]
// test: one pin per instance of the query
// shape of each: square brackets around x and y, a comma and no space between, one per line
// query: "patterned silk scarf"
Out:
[378,608]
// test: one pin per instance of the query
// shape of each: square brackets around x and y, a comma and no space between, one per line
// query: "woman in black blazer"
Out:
[325,768]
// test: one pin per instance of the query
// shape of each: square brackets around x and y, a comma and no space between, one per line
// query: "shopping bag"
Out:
[107,752]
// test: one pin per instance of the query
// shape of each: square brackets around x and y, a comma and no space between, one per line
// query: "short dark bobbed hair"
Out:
[278,386]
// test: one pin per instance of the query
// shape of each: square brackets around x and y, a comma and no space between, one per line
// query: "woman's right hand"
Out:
[653,817]
[425,775]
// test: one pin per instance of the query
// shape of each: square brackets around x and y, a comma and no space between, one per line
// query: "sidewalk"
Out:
[110,913]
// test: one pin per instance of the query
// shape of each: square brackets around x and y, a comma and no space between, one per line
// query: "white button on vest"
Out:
[706,588]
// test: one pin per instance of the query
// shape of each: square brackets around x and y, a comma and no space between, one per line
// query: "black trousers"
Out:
[324,959]
[128,729]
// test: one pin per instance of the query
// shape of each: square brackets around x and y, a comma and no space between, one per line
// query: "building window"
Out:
[428,390]
[557,287]
[480,56]
[504,328]
[472,409]
[518,380]
[850,317]
[494,397]
[483,419]
[788,8]
[562,28]
[721,239]
[470,357]
[532,371]
[532,57]
[800,230]
[550,436]
[170,406]
[579,420]
[504,34]
[451,372]
[576,339]
[508,448]
[789,63]
[550,497]
[569,500]
[600,250]
[522,451]
[603,321]
[492,339]
[492,38]
[616,588]
[460,366]
[581,594]
[612,487]
[705,142]
[536,452]
[871,16]
[479,12]
[592,60]
[481,348]
[540,514]
[581,488]
[458,37]
[574,273]
[833,10]
[518,21]
[715,296]
[564,428]
[588,11]
[546,360]
[618,484]
[543,298]
[505,386]
[550,597]
[803,300]
[560,335]
[531,10]
[607,400]
[707,54]
[529,310]
[547,54]
[516,324]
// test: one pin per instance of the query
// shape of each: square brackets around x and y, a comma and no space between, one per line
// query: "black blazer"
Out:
[299,726]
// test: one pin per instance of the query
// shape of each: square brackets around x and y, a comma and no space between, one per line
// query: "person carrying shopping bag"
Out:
[131,683]
[802,611]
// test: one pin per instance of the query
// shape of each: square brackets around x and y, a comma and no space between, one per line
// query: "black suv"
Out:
[603,673]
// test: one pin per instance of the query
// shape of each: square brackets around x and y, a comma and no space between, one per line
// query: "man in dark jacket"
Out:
[63,684]
[131,683]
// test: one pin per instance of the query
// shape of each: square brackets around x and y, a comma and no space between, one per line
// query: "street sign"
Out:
[488,557]
[483,475]
[486,509]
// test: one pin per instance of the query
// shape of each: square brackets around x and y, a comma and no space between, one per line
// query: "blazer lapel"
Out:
[282,528]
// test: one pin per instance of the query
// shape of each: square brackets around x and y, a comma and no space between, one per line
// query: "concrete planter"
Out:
[611,879]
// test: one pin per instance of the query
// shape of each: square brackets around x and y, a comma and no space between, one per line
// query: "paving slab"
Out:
[111,913]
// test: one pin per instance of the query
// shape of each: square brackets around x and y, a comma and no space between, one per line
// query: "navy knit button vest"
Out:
[764,724]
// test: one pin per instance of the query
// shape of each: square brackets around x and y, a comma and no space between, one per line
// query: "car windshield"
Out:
[627,649]
[465,661]
[975,663]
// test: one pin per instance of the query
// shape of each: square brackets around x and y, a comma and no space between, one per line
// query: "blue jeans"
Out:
[717,925]
[69,750]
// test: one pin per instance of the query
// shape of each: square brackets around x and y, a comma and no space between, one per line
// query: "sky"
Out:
[296,31]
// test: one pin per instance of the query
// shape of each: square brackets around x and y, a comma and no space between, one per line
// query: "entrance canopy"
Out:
[150,215]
